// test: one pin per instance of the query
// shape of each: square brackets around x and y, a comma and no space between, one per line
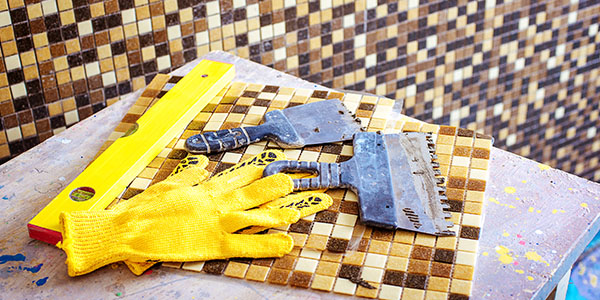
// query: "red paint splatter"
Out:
[148,272]
[522,242]
[519,236]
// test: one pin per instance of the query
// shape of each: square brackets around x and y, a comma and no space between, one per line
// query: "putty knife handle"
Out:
[328,174]
[226,139]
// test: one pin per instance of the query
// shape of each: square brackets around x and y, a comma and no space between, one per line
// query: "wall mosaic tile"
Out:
[523,71]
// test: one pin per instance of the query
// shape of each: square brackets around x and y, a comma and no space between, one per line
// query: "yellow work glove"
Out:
[307,203]
[184,219]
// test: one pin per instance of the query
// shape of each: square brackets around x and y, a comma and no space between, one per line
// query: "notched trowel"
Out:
[394,176]
[295,127]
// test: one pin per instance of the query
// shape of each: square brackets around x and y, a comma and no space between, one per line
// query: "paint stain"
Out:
[531,209]
[118,294]
[593,280]
[520,271]
[41,281]
[485,254]
[521,242]
[505,233]
[532,255]
[510,190]
[6,258]
[505,256]
[516,263]
[543,167]
[33,269]
[493,200]
[539,232]
[584,204]
[529,278]
[148,272]
[519,236]
[554,211]
[581,270]
[524,181]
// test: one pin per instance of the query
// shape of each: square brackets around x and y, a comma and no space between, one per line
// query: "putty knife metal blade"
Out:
[295,127]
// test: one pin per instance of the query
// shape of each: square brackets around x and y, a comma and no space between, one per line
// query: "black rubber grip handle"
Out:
[224,140]
[328,174]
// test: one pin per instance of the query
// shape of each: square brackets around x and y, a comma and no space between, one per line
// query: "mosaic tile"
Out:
[333,252]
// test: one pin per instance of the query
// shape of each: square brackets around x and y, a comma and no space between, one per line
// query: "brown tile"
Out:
[337,245]
[278,276]
[421,252]
[416,281]
[469,232]
[393,277]
[476,185]
[441,269]
[300,279]
[215,266]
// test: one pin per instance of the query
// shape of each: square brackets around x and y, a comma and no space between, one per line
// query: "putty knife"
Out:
[394,176]
[295,127]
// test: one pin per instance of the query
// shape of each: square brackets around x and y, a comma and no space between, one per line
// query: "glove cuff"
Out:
[90,240]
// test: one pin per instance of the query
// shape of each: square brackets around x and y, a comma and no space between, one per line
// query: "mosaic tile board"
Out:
[524,71]
[332,250]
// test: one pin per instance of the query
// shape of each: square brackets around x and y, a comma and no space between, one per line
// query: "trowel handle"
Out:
[226,139]
[328,174]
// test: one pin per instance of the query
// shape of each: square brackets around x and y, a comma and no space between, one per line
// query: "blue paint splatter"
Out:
[33,269]
[8,197]
[1,186]
[41,281]
[6,258]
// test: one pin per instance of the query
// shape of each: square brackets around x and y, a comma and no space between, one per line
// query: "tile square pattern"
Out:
[333,251]
[523,71]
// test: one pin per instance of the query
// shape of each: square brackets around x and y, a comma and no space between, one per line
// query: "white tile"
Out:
[232,158]
[173,32]
[109,78]
[174,265]
[266,32]
[564,76]
[493,73]
[306,265]
[163,62]
[460,161]
[310,253]
[253,36]
[591,132]
[280,54]
[390,292]
[12,62]
[144,26]
[49,7]
[465,258]
[71,117]
[349,21]
[344,286]
[193,266]
[92,69]
[375,260]
[559,112]
[289,3]
[321,228]
[214,21]
[467,245]
[572,18]
[372,274]
[85,28]
[411,4]
[346,219]
[128,16]
[239,3]
[519,64]
[202,38]
[252,11]
[478,174]
[523,23]
[351,196]
[342,232]
[279,29]
[431,41]
[592,30]
[325,4]
[140,183]
[14,134]
[471,220]
[360,40]
[371,60]
[212,8]
[5,19]
[411,90]
[18,90]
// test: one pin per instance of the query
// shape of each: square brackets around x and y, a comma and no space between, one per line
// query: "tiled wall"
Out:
[523,71]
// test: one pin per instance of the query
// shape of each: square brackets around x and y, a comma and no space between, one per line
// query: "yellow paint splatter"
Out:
[554,211]
[511,206]
[520,271]
[494,200]
[532,255]
[570,189]
[581,270]
[531,209]
[543,167]
[563,211]
[485,254]
[529,278]
[505,233]
[593,280]
[538,211]
[524,181]
[593,258]
[505,256]
[584,204]
[510,190]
